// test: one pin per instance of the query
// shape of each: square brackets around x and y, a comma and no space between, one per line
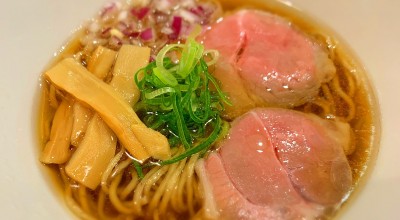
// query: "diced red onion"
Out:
[140,13]
[176,27]
[203,12]
[199,10]
[130,33]
[153,24]
[129,30]
[147,34]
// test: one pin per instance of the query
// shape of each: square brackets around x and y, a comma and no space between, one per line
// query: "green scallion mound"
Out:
[182,100]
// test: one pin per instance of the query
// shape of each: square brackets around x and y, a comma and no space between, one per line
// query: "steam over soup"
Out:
[206,110]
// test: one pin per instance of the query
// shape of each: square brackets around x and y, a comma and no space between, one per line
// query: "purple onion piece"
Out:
[140,13]
[147,34]
[176,27]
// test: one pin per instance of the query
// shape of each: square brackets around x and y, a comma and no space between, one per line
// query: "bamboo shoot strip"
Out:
[99,64]
[95,141]
[101,61]
[72,77]
[57,150]
[91,159]
[130,59]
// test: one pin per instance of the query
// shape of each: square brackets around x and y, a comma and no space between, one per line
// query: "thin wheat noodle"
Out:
[332,45]
[153,178]
[348,69]
[177,203]
[156,175]
[186,178]
[121,167]
[326,102]
[190,183]
[130,187]
[339,91]
[101,205]
[148,185]
[153,205]
[193,191]
[156,215]
[351,83]
[140,198]
[74,206]
[114,198]
[327,93]
[109,169]
[171,186]
[317,104]
[324,105]
[83,198]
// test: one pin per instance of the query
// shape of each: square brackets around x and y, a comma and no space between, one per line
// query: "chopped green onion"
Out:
[202,146]
[190,56]
[165,76]
[214,54]
[182,100]
[159,92]
[139,169]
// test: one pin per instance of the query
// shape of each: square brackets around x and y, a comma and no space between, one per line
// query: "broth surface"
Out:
[365,124]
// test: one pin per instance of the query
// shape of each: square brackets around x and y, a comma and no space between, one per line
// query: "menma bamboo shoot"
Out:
[72,77]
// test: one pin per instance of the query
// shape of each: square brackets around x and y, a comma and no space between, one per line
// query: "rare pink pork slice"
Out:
[312,152]
[265,61]
[277,164]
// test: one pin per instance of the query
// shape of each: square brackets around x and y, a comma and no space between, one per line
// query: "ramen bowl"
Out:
[30,40]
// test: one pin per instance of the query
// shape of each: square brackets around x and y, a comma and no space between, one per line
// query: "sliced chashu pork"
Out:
[277,164]
[265,61]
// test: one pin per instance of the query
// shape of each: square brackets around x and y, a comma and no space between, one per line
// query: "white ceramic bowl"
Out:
[31,31]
